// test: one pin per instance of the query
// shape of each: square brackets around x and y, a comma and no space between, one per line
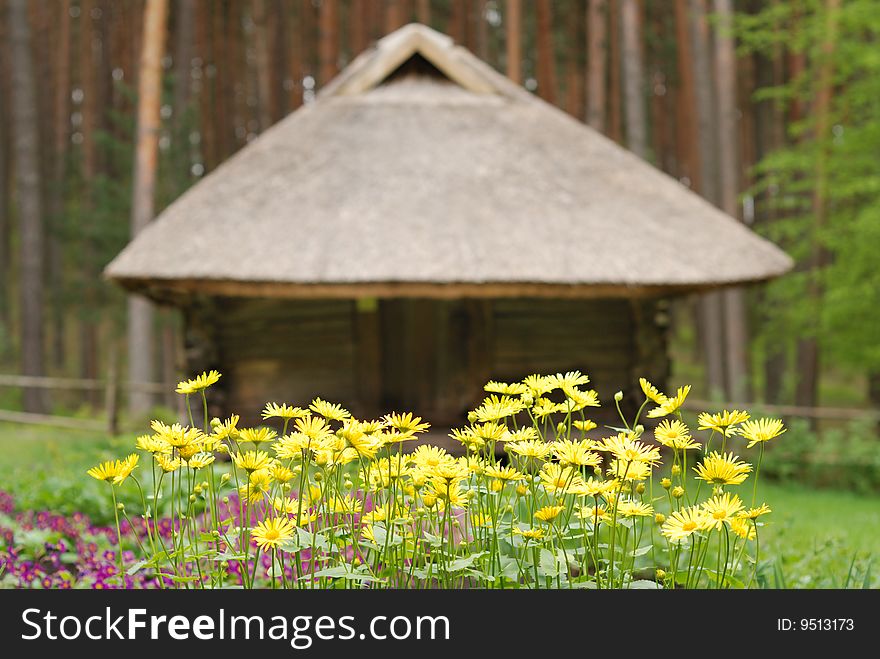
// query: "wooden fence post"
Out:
[111,393]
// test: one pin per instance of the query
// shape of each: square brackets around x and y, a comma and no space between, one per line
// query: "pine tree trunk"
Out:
[615,118]
[545,55]
[596,63]
[184,25]
[574,78]
[328,44]
[423,12]
[633,77]
[513,36]
[685,106]
[736,321]
[5,221]
[61,138]
[395,15]
[140,311]
[263,63]
[359,26]
[808,352]
[769,137]
[26,151]
[711,307]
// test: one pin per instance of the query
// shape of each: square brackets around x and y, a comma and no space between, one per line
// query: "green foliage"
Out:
[843,163]
[841,458]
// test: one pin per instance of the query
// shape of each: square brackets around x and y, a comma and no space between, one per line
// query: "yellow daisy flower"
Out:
[330,411]
[651,392]
[198,383]
[761,430]
[548,513]
[681,524]
[724,422]
[675,434]
[670,405]
[283,411]
[721,508]
[724,469]
[251,460]
[272,532]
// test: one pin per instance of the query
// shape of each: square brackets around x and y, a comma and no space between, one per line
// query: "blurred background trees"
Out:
[769,109]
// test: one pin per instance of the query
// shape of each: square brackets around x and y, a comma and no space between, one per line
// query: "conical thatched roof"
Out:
[421,171]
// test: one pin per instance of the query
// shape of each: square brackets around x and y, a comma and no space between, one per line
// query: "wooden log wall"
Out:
[425,356]
[271,350]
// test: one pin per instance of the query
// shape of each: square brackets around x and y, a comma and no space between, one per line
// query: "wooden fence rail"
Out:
[111,387]
[837,413]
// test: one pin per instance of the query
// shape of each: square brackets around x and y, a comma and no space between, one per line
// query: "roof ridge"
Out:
[374,65]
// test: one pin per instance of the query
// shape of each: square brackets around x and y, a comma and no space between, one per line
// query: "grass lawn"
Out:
[812,536]
[818,533]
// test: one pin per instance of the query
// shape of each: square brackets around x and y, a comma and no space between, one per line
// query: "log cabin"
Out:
[423,226]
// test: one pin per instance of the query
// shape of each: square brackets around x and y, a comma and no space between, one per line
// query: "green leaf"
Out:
[644,584]
[341,572]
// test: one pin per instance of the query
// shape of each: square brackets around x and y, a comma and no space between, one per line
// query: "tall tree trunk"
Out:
[513,36]
[808,354]
[596,67]
[769,137]
[545,55]
[263,63]
[89,64]
[395,15]
[423,11]
[26,148]
[480,29]
[685,116]
[359,26]
[574,78]
[711,307]
[61,138]
[184,25]
[633,77]
[615,118]
[5,222]
[736,335]
[140,311]
[458,22]
[328,44]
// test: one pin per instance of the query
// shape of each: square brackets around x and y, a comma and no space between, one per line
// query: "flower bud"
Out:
[522,490]
[319,477]
[640,488]
[496,486]
[676,470]
[225,478]
[470,494]
[660,575]
[197,489]
[215,533]
[120,506]
[659,518]
[192,498]
[215,422]
[678,492]
[639,429]
[665,483]
[618,396]
[226,500]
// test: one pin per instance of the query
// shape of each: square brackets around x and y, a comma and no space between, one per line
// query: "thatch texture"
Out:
[438,185]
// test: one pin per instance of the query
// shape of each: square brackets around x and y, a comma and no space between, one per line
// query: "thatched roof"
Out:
[421,171]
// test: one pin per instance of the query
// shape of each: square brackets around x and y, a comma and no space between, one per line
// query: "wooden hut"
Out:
[423,226]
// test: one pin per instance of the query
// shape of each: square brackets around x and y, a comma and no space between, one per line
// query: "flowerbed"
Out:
[325,500]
